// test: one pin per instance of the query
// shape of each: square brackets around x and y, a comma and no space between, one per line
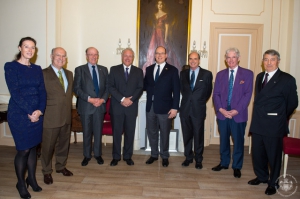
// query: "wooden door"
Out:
[248,39]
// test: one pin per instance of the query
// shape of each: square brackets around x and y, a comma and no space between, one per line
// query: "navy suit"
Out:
[124,118]
[193,111]
[162,96]
[273,106]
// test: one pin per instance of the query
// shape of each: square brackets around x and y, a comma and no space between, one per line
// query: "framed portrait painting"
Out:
[163,23]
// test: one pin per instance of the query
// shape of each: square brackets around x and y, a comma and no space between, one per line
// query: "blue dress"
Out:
[27,90]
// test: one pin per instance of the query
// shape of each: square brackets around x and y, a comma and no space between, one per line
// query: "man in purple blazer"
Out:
[231,96]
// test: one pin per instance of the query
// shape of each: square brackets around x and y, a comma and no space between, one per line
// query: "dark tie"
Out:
[265,80]
[230,88]
[126,74]
[157,74]
[95,81]
[192,80]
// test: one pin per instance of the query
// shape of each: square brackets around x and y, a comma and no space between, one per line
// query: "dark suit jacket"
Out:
[118,88]
[241,93]
[166,90]
[84,87]
[274,104]
[195,100]
[59,102]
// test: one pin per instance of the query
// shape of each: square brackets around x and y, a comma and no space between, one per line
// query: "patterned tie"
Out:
[157,74]
[265,80]
[61,80]
[230,88]
[95,81]
[126,74]
[192,80]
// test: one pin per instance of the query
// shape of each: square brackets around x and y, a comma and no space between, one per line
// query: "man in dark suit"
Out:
[57,119]
[162,85]
[125,84]
[90,86]
[275,100]
[196,88]
[231,96]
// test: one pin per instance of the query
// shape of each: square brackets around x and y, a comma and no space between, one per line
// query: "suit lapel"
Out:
[272,82]
[86,70]
[199,77]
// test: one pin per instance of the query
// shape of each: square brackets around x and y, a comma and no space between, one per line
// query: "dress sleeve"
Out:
[42,92]
[12,81]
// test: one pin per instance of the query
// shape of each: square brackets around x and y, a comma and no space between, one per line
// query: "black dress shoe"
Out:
[219,168]
[85,161]
[165,162]
[187,162]
[48,179]
[99,160]
[256,181]
[198,165]
[114,162]
[151,160]
[270,190]
[237,173]
[24,194]
[35,187]
[129,161]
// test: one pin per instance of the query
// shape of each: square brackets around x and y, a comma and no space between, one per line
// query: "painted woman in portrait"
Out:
[160,37]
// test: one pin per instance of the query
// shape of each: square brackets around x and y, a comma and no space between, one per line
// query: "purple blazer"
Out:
[241,93]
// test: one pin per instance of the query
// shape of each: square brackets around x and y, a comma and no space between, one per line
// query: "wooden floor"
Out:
[141,180]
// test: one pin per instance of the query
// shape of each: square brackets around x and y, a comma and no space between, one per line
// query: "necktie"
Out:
[95,81]
[265,80]
[230,88]
[157,74]
[192,80]
[61,80]
[126,74]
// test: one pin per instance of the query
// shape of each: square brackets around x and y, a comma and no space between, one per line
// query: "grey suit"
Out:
[124,118]
[91,116]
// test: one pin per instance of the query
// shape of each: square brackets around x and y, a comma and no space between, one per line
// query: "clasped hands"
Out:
[34,117]
[126,102]
[96,101]
[228,114]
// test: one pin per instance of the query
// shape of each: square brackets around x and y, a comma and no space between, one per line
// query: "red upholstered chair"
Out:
[107,128]
[291,146]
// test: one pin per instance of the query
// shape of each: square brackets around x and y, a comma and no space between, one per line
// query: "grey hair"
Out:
[129,50]
[273,53]
[232,49]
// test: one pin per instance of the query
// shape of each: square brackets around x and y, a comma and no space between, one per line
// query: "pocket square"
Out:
[201,80]
[242,81]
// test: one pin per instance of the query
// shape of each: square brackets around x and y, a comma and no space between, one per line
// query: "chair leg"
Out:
[286,157]
[104,140]
[250,144]
[122,143]
[75,137]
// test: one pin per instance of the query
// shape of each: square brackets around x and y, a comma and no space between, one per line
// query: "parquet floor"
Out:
[142,181]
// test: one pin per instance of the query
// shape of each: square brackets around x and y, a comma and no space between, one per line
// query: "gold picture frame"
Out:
[163,23]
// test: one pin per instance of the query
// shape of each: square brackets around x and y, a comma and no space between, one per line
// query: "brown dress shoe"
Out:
[65,172]
[48,179]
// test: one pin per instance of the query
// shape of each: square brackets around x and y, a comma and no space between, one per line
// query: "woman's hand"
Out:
[34,117]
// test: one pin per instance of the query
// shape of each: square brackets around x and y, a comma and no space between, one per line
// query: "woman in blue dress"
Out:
[25,112]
